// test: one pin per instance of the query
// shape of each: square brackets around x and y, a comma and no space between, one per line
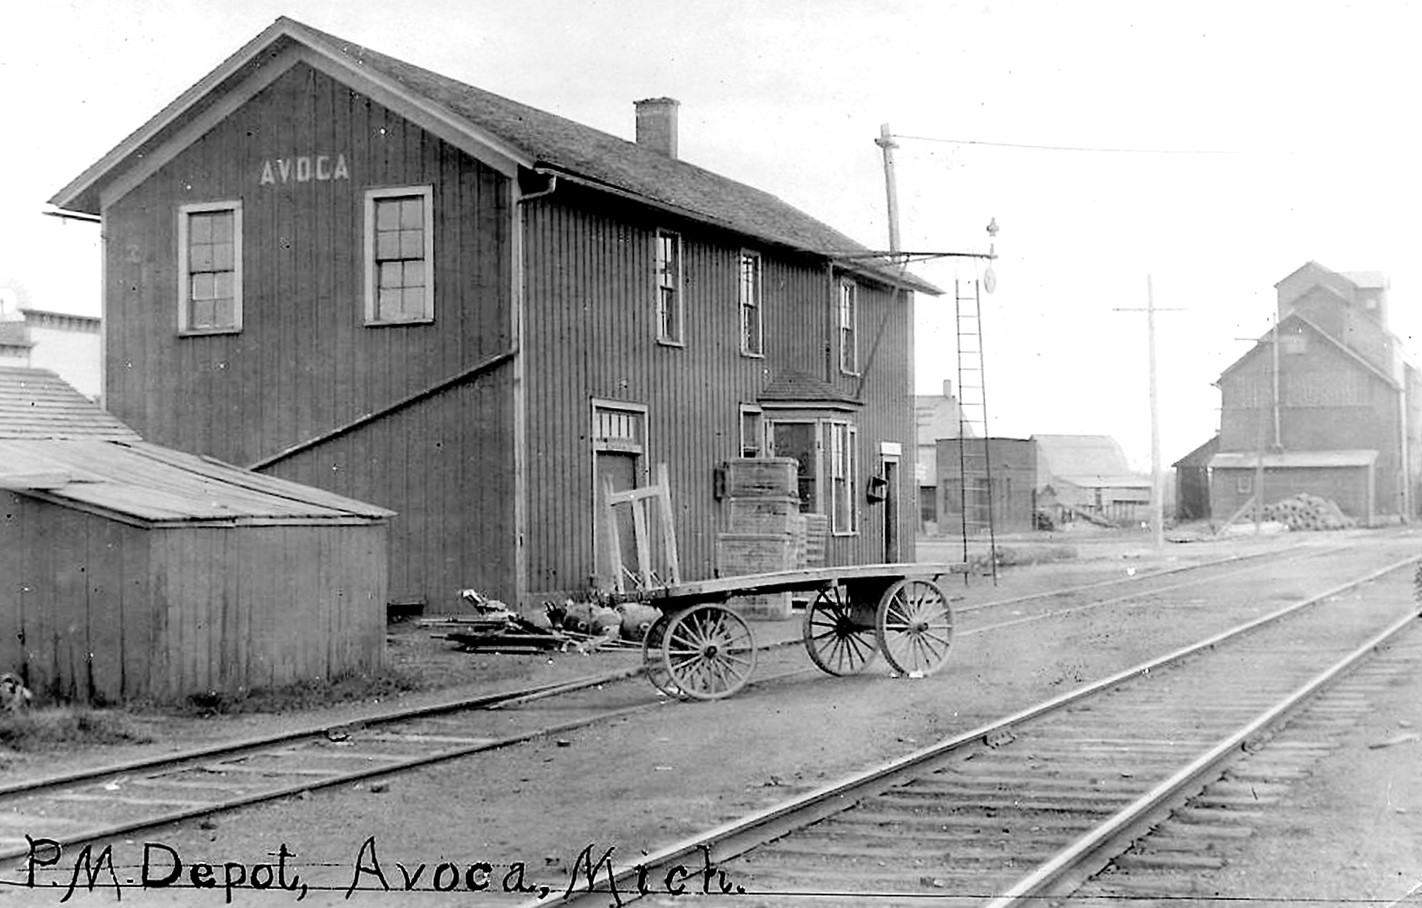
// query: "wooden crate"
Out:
[760,515]
[761,477]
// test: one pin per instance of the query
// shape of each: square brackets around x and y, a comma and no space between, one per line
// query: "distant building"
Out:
[70,345]
[1012,465]
[1192,482]
[935,417]
[1327,401]
[1088,474]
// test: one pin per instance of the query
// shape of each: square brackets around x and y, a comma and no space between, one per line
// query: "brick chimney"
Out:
[656,125]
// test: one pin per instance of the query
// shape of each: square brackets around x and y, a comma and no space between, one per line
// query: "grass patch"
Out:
[302,695]
[63,727]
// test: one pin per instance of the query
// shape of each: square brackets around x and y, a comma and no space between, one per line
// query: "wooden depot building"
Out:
[338,268]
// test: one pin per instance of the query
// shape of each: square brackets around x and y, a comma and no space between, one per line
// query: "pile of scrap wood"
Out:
[1308,512]
[570,627]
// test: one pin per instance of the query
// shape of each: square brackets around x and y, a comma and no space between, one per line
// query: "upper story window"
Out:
[670,317]
[399,256]
[848,327]
[752,337]
[210,268]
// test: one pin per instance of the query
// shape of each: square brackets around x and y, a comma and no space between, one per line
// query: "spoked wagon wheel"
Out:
[915,626]
[836,640]
[709,652]
[653,661]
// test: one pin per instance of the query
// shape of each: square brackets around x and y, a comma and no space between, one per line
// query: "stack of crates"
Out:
[761,529]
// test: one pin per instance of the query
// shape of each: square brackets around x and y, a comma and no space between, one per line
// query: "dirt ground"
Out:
[646,780]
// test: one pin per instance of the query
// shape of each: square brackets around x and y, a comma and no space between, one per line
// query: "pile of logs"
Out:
[1308,512]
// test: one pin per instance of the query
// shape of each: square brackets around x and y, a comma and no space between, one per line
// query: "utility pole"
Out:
[1157,484]
[887,143]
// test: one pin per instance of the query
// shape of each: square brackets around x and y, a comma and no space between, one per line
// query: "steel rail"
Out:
[1141,577]
[730,840]
[1095,844]
[406,765]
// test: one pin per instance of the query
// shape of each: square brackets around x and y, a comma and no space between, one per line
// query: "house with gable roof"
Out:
[336,267]
[1325,403]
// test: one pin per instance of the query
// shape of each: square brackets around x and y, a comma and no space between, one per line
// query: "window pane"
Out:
[200,258]
[202,314]
[224,313]
[415,302]
[222,259]
[221,226]
[202,287]
[387,245]
[412,244]
[389,303]
[412,213]
[414,274]
[387,214]
[390,275]
[199,229]
[222,285]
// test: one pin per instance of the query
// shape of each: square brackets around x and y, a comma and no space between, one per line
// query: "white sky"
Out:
[1308,110]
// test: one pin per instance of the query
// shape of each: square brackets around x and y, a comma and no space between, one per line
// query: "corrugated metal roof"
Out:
[36,403]
[545,141]
[1238,460]
[151,484]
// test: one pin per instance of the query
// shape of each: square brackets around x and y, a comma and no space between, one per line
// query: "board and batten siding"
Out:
[591,334]
[304,363]
[100,611]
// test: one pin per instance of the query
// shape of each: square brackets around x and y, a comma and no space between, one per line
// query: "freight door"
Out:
[618,433]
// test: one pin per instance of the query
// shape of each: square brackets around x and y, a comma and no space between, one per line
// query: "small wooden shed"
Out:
[132,570]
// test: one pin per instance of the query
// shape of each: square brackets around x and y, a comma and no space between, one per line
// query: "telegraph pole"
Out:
[1157,484]
[887,143]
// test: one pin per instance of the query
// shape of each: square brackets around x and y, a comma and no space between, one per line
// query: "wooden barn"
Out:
[344,270]
[133,570]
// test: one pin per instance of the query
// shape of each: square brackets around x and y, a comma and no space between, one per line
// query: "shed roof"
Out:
[151,485]
[36,403]
[790,386]
[1237,460]
[525,136]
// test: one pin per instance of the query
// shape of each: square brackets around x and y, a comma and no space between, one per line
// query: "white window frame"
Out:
[848,326]
[759,444]
[842,473]
[751,308]
[185,212]
[372,302]
[677,337]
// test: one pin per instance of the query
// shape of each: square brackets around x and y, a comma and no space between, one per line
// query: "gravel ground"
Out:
[645,780]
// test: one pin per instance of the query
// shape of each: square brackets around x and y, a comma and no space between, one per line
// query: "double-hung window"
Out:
[399,256]
[844,513]
[752,336]
[848,328]
[670,317]
[210,268]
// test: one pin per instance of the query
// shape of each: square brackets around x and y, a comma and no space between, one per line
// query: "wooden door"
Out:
[621,468]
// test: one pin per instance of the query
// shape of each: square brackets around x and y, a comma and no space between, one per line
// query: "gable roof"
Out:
[36,403]
[1089,461]
[1262,344]
[517,135]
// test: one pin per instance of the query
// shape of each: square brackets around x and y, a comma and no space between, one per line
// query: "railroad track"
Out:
[1028,807]
[122,798]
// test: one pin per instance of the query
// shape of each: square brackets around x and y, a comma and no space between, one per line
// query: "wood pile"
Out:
[583,627]
[1308,512]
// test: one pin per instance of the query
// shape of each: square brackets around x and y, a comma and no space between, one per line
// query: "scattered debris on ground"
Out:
[582,627]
